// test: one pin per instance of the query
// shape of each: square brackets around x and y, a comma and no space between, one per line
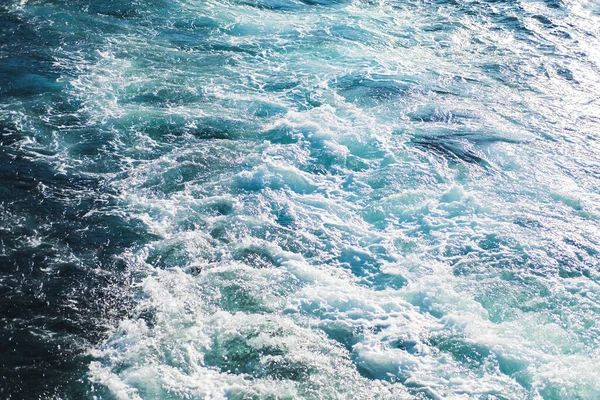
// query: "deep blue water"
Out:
[300,199]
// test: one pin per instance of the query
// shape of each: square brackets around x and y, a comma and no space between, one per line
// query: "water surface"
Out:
[345,199]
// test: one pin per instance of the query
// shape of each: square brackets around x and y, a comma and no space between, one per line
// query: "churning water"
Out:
[351,199]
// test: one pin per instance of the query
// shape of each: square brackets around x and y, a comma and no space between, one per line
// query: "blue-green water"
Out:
[320,199]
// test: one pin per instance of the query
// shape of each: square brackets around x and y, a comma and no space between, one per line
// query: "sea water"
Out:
[300,199]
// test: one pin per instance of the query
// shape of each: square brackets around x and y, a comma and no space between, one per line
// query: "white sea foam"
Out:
[354,200]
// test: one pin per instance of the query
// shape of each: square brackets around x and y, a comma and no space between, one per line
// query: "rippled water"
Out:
[346,199]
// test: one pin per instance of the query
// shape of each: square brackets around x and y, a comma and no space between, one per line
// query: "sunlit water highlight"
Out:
[301,199]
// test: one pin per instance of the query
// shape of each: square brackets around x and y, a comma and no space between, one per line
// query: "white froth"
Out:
[313,243]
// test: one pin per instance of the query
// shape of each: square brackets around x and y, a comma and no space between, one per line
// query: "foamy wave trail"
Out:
[300,199]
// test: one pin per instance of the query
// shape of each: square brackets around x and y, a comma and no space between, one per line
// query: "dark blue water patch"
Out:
[160,94]
[545,21]
[285,134]
[555,4]
[345,334]
[462,145]
[205,41]
[116,8]
[285,218]
[275,5]
[121,9]
[564,72]
[333,34]
[176,128]
[293,5]
[186,39]
[256,257]
[280,85]
[26,58]
[368,90]
[509,16]
[60,264]
[17,82]
[453,150]
[433,114]
[326,3]
[53,300]
[10,133]
[174,179]
[17,34]
[169,254]
[196,23]
[221,128]
[93,143]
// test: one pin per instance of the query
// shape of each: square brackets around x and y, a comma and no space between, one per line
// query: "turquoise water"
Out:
[300,199]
